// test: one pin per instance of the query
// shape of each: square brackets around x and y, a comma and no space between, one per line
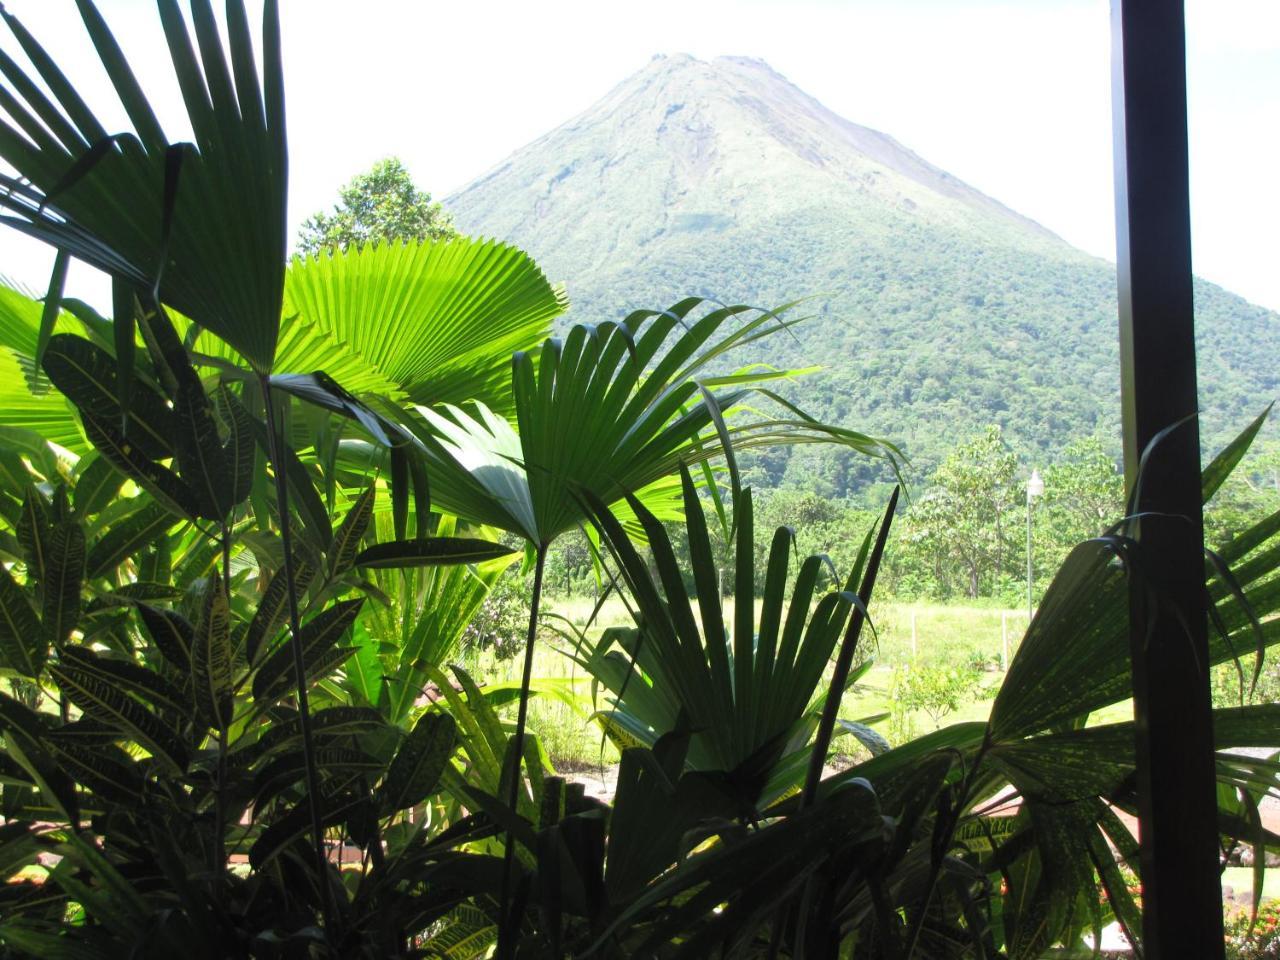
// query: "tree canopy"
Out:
[379,205]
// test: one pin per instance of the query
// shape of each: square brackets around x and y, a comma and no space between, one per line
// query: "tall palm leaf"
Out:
[202,223]
[1068,777]
[613,409]
[743,687]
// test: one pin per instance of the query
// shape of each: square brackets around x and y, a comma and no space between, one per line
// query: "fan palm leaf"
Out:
[432,322]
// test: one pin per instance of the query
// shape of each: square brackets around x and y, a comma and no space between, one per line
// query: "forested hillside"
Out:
[937,311]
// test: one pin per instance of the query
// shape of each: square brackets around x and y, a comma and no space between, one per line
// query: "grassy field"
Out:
[906,636]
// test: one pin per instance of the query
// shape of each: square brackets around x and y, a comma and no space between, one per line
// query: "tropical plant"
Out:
[179,227]
[998,834]
[595,420]
[174,742]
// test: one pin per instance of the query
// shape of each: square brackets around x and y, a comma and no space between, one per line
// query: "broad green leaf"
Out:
[438,319]
[118,210]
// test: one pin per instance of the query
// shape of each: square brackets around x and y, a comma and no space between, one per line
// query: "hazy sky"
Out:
[1013,97]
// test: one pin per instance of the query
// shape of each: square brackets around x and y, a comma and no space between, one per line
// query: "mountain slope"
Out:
[939,309]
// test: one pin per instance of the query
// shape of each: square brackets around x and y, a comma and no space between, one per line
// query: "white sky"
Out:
[1013,97]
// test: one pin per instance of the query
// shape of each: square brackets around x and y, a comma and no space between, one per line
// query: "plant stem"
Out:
[840,676]
[295,644]
[219,858]
[505,924]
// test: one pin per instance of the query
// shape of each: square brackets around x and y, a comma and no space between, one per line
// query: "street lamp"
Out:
[1035,488]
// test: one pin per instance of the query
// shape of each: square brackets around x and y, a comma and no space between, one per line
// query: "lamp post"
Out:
[1035,488]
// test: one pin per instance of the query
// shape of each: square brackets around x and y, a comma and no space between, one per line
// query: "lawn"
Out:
[905,636]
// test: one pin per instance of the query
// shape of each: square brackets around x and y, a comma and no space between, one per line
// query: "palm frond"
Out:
[183,219]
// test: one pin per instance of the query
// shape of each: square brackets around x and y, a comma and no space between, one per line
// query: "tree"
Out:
[1083,493]
[960,523]
[380,205]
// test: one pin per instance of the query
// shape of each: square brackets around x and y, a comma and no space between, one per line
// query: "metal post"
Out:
[1035,487]
[1182,897]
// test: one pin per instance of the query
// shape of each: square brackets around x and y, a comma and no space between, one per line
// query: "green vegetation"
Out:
[381,205]
[246,610]
[937,311]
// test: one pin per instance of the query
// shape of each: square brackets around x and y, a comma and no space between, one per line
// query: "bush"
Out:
[1263,941]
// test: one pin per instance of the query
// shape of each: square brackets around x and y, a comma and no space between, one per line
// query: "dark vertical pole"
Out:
[1182,897]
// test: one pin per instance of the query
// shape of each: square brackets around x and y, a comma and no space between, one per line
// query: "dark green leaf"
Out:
[273,606]
[336,803]
[302,491]
[128,537]
[88,376]
[161,482]
[201,460]
[64,576]
[105,769]
[129,677]
[52,305]
[317,638]
[96,486]
[34,530]
[23,728]
[239,451]
[172,634]
[100,699]
[418,763]
[431,552]
[18,848]
[346,539]
[289,769]
[330,724]
[211,661]
[1220,468]
[23,645]
[124,326]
